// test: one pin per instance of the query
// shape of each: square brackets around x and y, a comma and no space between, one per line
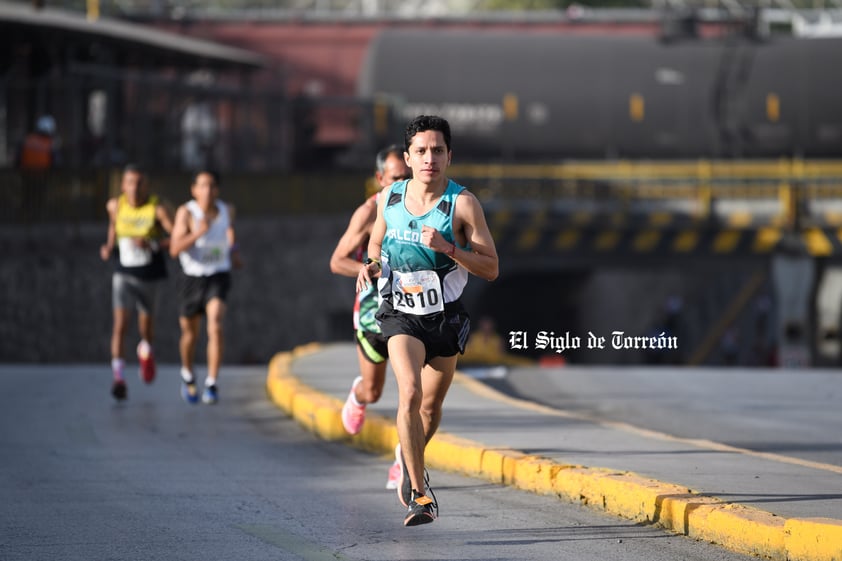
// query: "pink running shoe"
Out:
[147,362]
[353,415]
[395,471]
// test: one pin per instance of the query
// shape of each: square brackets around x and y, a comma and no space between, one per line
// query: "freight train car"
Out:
[514,96]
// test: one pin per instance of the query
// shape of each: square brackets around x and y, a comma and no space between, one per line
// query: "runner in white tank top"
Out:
[210,253]
[204,241]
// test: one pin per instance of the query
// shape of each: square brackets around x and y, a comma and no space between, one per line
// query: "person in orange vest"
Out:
[38,150]
[36,157]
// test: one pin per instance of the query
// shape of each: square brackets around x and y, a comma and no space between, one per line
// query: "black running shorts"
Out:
[443,334]
[196,292]
[373,345]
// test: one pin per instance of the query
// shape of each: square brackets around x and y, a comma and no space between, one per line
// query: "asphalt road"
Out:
[793,413]
[83,478]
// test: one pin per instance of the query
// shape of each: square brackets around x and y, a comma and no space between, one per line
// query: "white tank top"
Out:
[210,254]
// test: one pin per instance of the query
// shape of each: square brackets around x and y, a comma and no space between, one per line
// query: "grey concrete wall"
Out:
[55,295]
[55,300]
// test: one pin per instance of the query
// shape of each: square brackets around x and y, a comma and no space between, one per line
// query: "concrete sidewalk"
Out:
[771,506]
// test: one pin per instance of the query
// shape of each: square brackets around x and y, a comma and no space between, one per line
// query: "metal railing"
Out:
[776,192]
[733,194]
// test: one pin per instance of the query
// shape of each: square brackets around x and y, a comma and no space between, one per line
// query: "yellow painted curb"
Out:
[818,539]
[739,528]
[319,413]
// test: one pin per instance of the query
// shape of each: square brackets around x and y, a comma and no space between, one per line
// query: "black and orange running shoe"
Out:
[421,510]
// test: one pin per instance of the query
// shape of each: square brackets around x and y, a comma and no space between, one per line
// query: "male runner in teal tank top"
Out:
[372,351]
[430,233]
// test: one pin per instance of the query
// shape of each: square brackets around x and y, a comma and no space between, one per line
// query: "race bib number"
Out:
[418,293]
[133,255]
[212,254]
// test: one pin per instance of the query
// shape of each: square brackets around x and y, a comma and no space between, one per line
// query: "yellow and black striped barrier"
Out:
[701,207]
[545,233]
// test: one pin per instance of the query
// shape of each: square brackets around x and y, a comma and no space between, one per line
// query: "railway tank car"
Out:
[514,96]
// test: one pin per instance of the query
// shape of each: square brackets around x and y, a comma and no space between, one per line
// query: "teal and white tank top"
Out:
[367,302]
[416,279]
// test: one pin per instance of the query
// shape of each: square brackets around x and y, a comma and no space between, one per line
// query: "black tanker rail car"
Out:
[542,97]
